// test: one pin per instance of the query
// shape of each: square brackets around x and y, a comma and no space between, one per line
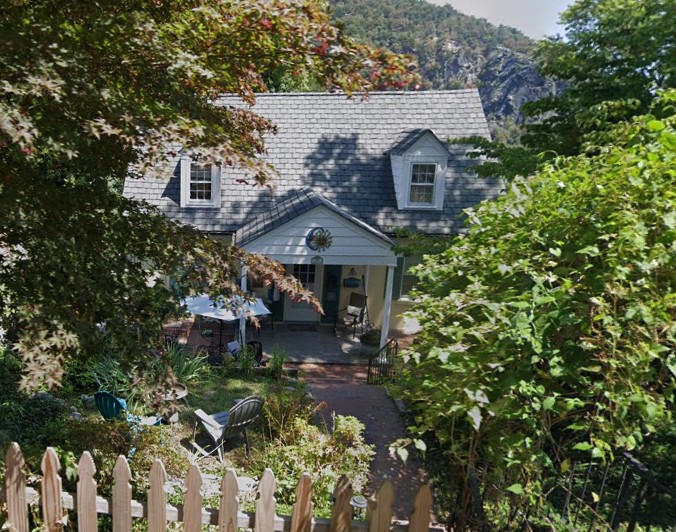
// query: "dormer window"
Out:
[423,177]
[200,184]
[419,161]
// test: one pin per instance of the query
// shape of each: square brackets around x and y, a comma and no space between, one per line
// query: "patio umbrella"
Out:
[226,310]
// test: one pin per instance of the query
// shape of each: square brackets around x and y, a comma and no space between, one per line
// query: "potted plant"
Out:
[370,341]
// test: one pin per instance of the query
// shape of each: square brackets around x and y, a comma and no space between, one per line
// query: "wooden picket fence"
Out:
[158,513]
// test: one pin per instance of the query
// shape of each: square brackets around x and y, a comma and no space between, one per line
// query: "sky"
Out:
[535,18]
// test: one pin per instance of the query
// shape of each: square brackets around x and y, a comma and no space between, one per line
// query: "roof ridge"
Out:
[345,95]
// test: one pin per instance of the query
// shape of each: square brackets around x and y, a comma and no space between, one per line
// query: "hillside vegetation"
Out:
[453,50]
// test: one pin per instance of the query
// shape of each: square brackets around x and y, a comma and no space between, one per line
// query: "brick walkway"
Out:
[345,391]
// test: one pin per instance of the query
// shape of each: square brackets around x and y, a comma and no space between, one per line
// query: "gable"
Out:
[350,243]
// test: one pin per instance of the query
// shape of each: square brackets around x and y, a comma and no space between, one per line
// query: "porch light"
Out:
[317,260]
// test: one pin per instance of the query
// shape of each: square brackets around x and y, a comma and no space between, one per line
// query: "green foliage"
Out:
[246,362]
[410,243]
[276,363]
[283,406]
[186,367]
[10,369]
[110,377]
[425,30]
[34,422]
[371,337]
[501,160]
[94,91]
[615,55]
[549,328]
[325,457]
[146,384]
[281,80]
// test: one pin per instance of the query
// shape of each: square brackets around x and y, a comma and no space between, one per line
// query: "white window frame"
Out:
[433,185]
[439,185]
[409,262]
[186,201]
[405,263]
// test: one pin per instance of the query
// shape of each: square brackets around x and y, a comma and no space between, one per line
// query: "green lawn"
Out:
[217,391]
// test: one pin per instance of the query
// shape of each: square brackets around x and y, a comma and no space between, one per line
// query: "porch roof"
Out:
[299,203]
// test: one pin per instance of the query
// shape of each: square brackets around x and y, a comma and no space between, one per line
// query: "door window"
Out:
[305,273]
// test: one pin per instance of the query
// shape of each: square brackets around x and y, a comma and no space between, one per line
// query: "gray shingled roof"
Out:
[299,203]
[408,139]
[340,148]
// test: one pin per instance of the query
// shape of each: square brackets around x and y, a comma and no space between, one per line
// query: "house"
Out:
[351,172]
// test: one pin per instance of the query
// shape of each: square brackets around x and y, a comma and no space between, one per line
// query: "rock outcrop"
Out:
[509,79]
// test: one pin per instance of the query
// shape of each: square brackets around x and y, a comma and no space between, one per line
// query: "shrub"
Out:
[186,367]
[548,329]
[10,370]
[246,362]
[144,387]
[283,406]
[371,337]
[325,457]
[276,363]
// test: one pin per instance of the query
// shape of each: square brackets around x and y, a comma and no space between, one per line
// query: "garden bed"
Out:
[287,438]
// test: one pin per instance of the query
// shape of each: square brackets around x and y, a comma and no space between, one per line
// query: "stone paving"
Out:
[344,389]
[335,370]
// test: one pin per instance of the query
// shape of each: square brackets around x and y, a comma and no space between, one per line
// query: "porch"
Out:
[303,343]
[311,344]
[331,253]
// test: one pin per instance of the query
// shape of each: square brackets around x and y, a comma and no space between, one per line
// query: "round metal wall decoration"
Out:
[319,239]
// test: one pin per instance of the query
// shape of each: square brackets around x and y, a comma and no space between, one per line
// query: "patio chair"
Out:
[112,407]
[225,425]
[354,315]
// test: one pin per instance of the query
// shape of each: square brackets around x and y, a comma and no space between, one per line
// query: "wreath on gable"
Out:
[319,239]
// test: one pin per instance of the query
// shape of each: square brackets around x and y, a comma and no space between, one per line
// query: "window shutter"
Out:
[216,185]
[185,180]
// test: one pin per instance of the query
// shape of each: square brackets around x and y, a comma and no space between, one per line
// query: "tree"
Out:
[550,327]
[615,56]
[94,91]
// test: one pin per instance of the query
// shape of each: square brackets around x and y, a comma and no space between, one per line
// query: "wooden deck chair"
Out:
[112,407]
[354,315]
[225,425]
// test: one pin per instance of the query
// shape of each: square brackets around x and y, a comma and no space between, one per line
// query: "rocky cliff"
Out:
[453,50]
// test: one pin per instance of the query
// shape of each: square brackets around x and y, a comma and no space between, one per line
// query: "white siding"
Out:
[427,149]
[351,244]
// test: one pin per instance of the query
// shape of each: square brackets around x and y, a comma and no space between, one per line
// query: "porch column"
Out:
[242,320]
[389,284]
[367,275]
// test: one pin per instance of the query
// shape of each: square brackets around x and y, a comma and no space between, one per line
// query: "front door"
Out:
[331,292]
[310,276]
